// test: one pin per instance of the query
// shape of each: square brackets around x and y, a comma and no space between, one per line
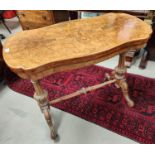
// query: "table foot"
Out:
[50,123]
[40,96]
[124,87]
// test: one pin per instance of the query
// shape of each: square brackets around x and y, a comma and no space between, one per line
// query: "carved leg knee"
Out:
[120,71]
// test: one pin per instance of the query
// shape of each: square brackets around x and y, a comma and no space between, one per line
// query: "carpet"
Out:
[106,106]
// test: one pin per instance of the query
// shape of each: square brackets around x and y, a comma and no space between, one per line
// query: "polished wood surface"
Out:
[36,53]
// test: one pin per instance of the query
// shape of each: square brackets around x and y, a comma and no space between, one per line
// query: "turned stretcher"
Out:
[36,53]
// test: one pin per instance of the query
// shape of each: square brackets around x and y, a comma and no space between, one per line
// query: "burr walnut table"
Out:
[36,53]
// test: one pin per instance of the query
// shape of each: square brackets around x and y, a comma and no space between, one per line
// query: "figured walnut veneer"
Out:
[34,54]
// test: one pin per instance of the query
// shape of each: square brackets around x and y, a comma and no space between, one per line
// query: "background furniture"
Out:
[31,19]
[3,21]
[149,50]
[151,44]
[6,14]
[2,64]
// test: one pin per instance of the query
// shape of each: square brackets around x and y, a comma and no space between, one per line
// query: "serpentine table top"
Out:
[33,54]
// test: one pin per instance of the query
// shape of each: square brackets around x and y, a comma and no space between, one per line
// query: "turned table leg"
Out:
[120,71]
[40,96]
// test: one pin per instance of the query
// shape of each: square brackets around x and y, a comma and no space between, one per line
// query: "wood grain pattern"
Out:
[34,54]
